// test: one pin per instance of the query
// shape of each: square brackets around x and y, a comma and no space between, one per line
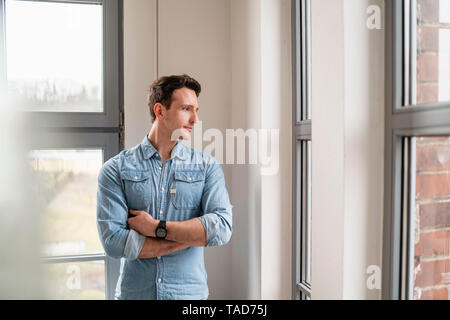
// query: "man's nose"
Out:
[195,118]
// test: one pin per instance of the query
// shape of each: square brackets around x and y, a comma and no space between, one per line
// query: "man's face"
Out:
[182,114]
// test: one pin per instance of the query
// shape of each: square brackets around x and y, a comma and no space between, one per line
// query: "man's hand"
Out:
[143,223]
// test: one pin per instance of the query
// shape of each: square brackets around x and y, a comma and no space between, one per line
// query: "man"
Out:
[175,198]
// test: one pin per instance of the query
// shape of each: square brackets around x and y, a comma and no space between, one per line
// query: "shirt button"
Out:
[160,212]
[189,178]
[159,258]
[159,280]
[160,168]
[162,188]
[135,178]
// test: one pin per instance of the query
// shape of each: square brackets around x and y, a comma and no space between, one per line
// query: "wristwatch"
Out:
[161,230]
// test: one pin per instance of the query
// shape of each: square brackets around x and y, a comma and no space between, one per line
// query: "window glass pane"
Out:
[304,212]
[308,212]
[304,186]
[307,52]
[433,51]
[298,211]
[298,64]
[75,280]
[68,190]
[54,60]
[432,219]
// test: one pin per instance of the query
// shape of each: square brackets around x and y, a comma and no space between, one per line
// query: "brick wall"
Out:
[429,26]
[432,218]
[432,212]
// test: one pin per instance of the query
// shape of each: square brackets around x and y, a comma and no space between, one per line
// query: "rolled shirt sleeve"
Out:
[112,214]
[217,209]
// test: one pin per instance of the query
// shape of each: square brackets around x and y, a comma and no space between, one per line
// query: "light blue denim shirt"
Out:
[190,184]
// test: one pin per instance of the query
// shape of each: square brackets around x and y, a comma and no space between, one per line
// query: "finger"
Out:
[133,212]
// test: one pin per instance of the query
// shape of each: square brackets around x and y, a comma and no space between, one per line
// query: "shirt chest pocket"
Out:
[137,188]
[187,189]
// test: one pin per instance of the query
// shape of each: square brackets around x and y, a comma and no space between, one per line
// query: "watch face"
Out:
[160,233]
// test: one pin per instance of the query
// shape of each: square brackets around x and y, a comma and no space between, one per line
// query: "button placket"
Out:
[160,195]
[160,278]
[161,202]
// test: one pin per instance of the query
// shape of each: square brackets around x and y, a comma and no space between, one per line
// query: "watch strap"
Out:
[162,224]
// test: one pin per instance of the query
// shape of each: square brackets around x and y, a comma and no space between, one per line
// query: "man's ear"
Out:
[157,108]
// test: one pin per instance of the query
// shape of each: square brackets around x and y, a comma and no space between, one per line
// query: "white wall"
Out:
[276,190]
[348,135]
[140,66]
[327,236]
[246,181]
[364,153]
[261,99]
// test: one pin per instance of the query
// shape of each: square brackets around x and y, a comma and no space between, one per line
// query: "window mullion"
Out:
[407,206]
[406,54]
[303,206]
[3,83]
[413,52]
[411,220]
[308,213]
[418,120]
[308,59]
[303,61]
[301,131]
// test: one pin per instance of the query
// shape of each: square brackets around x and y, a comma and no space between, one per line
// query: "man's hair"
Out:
[161,90]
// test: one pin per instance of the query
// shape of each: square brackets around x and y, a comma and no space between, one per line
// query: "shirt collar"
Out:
[178,151]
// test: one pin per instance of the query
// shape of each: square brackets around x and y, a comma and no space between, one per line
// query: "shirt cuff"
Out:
[210,222]
[134,244]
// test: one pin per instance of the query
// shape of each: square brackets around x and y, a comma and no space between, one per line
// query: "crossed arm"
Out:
[213,228]
[180,234]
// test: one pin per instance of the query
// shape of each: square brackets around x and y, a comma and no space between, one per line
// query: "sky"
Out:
[54,41]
